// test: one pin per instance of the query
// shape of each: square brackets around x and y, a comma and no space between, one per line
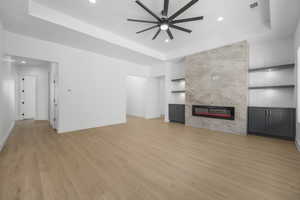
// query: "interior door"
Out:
[27,97]
[53,77]
[55,121]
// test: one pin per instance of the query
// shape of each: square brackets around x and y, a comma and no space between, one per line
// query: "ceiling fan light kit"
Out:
[166,23]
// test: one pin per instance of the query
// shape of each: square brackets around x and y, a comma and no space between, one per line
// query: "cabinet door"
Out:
[257,120]
[281,123]
[180,113]
[172,112]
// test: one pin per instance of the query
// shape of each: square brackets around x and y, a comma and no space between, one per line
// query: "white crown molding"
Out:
[47,14]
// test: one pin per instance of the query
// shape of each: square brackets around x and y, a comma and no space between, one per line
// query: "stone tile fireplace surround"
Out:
[218,77]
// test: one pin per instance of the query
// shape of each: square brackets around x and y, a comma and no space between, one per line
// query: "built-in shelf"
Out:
[278,67]
[271,86]
[178,79]
[178,91]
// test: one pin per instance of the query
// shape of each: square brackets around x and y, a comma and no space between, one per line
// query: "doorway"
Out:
[36,90]
[145,97]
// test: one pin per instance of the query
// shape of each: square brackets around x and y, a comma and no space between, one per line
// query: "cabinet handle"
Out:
[267,119]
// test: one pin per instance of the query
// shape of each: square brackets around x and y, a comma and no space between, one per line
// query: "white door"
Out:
[54,96]
[27,97]
[55,104]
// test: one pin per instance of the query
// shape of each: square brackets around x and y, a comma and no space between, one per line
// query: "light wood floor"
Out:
[146,160]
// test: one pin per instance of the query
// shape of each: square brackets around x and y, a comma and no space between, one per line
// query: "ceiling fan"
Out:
[164,23]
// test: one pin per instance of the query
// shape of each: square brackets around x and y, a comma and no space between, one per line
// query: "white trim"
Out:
[2,143]
[298,145]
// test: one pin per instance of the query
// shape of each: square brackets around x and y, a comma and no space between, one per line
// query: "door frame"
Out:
[54,96]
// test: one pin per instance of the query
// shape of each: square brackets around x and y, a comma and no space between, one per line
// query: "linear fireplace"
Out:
[218,112]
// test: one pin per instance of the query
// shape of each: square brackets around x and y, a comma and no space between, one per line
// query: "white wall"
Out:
[7,95]
[271,53]
[143,96]
[177,70]
[92,86]
[297,61]
[272,97]
[162,95]
[42,88]
[152,92]
[169,71]
[266,54]
[136,100]
[173,70]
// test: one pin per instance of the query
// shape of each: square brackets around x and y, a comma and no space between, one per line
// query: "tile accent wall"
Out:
[218,77]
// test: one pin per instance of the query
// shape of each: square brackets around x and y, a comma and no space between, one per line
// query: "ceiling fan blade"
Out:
[180,28]
[148,10]
[187,20]
[184,8]
[170,34]
[166,8]
[147,29]
[156,34]
[143,21]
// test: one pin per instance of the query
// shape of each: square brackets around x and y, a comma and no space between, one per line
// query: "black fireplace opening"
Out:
[217,112]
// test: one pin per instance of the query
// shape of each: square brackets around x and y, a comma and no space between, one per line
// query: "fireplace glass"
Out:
[218,112]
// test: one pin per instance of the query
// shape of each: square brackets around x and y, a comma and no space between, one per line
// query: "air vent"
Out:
[254,5]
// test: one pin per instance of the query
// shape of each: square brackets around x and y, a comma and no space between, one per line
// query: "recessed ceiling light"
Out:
[167,40]
[220,19]
[93,1]
[23,62]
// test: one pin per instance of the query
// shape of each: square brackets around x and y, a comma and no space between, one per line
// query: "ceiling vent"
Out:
[254,5]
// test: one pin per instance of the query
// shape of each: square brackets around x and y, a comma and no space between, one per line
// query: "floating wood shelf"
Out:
[278,67]
[272,86]
[178,91]
[178,79]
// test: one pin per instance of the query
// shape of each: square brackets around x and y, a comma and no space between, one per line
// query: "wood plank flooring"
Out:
[146,160]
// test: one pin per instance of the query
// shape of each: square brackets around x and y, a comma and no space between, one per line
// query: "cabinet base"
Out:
[171,121]
[272,136]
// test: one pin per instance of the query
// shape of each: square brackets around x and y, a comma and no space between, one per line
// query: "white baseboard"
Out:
[2,143]
[298,145]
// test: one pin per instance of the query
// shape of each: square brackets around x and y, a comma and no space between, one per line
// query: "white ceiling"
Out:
[16,18]
[29,62]
[112,14]
[102,27]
